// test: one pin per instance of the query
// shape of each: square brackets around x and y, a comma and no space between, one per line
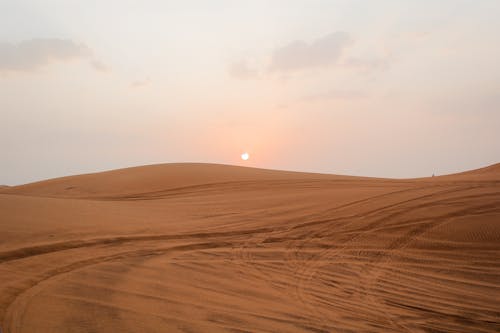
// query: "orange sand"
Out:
[214,248]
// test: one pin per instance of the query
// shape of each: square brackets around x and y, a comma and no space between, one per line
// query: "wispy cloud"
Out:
[241,70]
[333,50]
[371,63]
[141,83]
[336,95]
[321,52]
[99,66]
[30,55]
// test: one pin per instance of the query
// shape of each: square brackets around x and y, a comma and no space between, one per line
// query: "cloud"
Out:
[30,55]
[335,50]
[99,66]
[347,95]
[141,83]
[241,70]
[372,63]
[321,52]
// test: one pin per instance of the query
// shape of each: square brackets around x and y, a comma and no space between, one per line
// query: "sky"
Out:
[382,88]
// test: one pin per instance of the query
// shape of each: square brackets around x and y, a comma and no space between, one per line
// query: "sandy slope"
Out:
[211,248]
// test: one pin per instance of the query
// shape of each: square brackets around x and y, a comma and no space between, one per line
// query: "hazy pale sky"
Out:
[377,88]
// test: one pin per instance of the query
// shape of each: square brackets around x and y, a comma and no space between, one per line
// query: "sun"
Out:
[245,156]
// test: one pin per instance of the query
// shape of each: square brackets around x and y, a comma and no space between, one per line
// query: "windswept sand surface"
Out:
[212,248]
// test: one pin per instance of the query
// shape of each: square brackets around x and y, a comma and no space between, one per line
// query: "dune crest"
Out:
[150,178]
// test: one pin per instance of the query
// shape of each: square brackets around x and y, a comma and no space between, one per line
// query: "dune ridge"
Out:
[218,248]
[158,177]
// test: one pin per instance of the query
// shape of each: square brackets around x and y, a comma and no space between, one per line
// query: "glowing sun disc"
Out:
[245,156]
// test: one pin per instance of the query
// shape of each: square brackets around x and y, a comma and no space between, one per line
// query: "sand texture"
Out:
[215,248]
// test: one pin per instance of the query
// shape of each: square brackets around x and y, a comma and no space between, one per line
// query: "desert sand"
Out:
[217,248]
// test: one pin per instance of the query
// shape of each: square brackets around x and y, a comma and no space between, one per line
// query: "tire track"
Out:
[311,266]
[31,251]
[12,318]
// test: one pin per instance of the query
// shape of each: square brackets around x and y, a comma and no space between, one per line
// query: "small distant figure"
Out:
[432,175]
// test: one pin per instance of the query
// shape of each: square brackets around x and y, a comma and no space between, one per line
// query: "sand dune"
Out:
[215,248]
[155,178]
